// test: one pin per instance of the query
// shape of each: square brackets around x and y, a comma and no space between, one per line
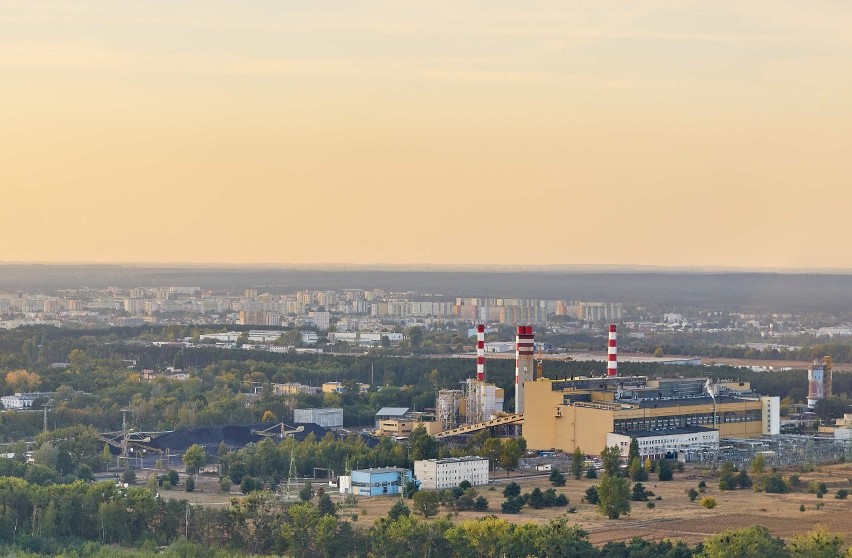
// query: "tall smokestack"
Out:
[524,363]
[612,352]
[480,352]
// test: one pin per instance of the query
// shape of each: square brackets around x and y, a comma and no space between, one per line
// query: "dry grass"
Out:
[674,517]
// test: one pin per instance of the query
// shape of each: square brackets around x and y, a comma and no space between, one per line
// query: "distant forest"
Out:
[775,292]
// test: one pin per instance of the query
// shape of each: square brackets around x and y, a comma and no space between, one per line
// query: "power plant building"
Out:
[584,412]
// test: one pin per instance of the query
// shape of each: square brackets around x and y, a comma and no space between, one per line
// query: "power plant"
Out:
[477,402]
[819,381]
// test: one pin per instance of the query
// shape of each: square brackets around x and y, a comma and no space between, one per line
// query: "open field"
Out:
[674,517]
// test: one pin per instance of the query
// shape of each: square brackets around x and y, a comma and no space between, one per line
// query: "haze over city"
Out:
[465,133]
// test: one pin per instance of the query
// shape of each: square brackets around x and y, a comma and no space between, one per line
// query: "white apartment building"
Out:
[436,474]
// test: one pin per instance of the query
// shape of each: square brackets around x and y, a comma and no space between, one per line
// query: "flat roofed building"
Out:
[567,414]
[666,444]
[396,427]
[436,474]
[377,481]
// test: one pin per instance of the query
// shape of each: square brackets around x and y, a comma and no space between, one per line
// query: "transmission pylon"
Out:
[292,483]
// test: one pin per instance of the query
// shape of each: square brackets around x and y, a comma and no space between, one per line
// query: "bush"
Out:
[650,505]
[638,494]
[190,484]
[572,509]
[795,481]
[248,484]
[665,471]
[708,502]
[557,478]
[816,487]
[693,494]
[513,504]
[772,484]
[512,490]
[480,504]
[841,494]
[591,473]
[802,508]
[174,478]
[225,485]
[592,495]
[129,476]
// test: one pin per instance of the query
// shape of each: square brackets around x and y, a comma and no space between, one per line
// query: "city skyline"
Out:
[667,134]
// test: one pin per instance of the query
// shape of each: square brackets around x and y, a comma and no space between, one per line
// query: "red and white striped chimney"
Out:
[524,363]
[612,352]
[480,352]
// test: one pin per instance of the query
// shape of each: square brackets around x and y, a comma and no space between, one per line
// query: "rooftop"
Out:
[667,432]
[464,459]
[392,411]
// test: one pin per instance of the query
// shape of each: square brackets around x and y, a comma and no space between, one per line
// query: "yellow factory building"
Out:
[571,413]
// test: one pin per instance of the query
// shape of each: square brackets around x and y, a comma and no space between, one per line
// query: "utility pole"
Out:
[44,423]
[124,435]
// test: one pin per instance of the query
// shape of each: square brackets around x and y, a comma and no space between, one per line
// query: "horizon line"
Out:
[437,267]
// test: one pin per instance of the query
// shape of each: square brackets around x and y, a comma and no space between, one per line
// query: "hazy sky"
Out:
[464,132]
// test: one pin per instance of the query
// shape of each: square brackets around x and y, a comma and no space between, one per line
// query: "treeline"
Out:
[46,521]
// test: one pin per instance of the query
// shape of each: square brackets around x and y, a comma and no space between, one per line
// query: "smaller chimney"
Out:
[612,353]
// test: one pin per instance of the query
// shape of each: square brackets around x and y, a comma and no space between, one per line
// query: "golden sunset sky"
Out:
[669,133]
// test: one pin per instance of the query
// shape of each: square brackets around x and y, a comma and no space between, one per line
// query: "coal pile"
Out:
[233,436]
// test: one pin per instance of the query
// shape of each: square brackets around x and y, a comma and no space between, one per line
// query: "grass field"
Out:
[674,517]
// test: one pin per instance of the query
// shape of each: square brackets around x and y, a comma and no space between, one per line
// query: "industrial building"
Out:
[436,474]
[674,443]
[583,412]
[375,481]
[327,417]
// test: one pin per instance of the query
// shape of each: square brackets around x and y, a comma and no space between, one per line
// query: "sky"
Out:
[464,132]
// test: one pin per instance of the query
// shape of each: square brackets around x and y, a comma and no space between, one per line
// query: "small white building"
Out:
[666,444]
[435,474]
[25,400]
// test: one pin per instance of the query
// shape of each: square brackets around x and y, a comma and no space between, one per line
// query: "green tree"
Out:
[426,503]
[326,506]
[752,542]
[189,485]
[636,471]
[306,493]
[194,458]
[577,463]
[592,496]
[423,446]
[611,460]
[633,452]
[511,490]
[557,478]
[665,471]
[398,510]
[614,496]
[819,543]
[693,494]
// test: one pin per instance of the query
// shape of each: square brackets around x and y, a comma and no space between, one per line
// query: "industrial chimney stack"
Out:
[524,363]
[612,352]
[480,353]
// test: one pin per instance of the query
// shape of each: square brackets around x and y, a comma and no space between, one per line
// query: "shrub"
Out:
[650,505]
[820,495]
[773,484]
[572,509]
[591,473]
[592,495]
[693,494]
[480,504]
[512,489]
[841,494]
[665,471]
[174,478]
[513,504]
[225,485]
[816,487]
[820,505]
[557,478]
[802,508]
[795,481]
[190,484]
[702,484]
[708,502]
